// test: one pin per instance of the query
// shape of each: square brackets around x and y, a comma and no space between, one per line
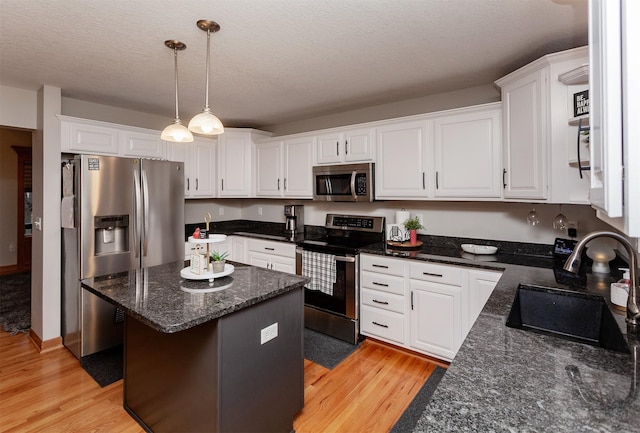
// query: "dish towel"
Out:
[66,212]
[321,269]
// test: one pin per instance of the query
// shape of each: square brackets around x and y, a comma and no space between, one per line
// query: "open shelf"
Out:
[579,75]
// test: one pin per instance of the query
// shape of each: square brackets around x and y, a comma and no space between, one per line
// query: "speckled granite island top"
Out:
[159,297]
[511,380]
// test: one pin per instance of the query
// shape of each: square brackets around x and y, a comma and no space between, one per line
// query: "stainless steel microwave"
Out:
[346,182]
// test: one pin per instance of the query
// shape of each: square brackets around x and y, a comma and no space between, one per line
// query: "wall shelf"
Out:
[579,75]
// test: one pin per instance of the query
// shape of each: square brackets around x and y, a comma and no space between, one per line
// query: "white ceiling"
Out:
[276,61]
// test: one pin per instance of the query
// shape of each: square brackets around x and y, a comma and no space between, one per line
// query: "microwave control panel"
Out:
[361,184]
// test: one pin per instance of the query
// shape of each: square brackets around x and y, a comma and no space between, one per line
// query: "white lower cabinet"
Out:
[421,306]
[278,256]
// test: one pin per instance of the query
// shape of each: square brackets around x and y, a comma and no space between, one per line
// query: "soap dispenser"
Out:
[620,291]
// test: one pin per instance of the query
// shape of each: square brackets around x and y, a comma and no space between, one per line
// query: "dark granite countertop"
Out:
[159,297]
[510,380]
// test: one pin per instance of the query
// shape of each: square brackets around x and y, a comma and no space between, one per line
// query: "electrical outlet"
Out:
[572,225]
[260,211]
[12,247]
[221,211]
[268,333]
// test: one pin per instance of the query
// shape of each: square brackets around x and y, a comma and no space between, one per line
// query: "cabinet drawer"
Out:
[382,265]
[436,273]
[269,247]
[385,283]
[386,301]
[382,323]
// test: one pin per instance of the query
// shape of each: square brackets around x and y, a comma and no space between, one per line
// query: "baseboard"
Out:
[47,345]
[437,361]
[9,269]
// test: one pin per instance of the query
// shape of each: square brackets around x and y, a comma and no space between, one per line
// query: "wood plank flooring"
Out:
[50,392]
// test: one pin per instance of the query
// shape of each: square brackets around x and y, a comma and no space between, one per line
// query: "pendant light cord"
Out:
[175,63]
[206,93]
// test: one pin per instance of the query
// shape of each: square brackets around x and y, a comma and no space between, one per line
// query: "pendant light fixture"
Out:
[206,123]
[176,132]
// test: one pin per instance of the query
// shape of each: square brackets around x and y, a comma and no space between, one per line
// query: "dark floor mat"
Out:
[414,411]
[326,350]
[104,367]
[15,302]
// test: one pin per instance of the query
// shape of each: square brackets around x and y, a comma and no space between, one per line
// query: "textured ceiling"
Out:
[276,61]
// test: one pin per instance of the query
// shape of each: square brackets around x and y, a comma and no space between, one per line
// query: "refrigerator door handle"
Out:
[138,213]
[145,221]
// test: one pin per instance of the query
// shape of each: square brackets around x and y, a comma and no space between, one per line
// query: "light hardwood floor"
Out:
[50,392]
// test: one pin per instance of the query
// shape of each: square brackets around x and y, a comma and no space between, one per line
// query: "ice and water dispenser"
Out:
[111,234]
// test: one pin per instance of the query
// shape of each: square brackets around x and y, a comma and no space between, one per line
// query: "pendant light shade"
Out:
[176,132]
[206,122]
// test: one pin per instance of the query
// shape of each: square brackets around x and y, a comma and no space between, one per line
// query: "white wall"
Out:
[487,220]
[45,266]
[436,102]
[106,113]
[18,107]
[195,210]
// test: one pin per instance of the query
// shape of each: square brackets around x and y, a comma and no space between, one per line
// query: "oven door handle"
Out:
[348,259]
[353,186]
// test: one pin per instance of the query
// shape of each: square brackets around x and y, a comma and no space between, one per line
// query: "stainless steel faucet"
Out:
[633,309]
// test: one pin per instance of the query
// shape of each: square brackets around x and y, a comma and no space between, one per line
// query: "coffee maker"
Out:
[294,218]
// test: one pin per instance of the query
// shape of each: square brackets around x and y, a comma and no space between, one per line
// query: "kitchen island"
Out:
[200,356]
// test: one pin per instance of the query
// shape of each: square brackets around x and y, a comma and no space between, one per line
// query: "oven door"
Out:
[343,300]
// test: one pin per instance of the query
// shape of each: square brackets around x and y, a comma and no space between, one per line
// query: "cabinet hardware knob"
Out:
[380,324]
[429,274]
[380,302]
[380,284]
[504,178]
[380,266]
[337,148]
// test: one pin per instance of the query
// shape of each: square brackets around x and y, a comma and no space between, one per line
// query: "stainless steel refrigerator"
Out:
[118,214]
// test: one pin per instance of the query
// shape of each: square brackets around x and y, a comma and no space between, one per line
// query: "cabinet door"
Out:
[401,167]
[297,167]
[81,138]
[269,169]
[468,154]
[239,249]
[436,318]
[524,137]
[605,79]
[182,152]
[481,285]
[329,148]
[358,145]
[202,166]
[141,144]
[283,264]
[260,260]
[234,164]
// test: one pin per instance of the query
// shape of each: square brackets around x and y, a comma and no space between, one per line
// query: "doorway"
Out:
[16,197]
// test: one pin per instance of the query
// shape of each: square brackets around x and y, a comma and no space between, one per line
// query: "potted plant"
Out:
[218,259]
[413,224]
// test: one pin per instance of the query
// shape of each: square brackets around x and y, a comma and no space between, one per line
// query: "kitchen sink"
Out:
[565,314]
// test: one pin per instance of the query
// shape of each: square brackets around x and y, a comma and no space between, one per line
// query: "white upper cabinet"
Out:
[538,142]
[102,138]
[298,161]
[524,135]
[199,166]
[468,153]
[142,144]
[402,166]
[235,162]
[81,136]
[283,167]
[349,145]
[614,36]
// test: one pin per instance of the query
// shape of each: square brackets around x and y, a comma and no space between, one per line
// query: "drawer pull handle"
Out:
[432,275]
[380,324]
[380,284]
[273,249]
[380,302]
[380,266]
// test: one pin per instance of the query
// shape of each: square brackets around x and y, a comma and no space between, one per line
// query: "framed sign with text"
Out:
[581,103]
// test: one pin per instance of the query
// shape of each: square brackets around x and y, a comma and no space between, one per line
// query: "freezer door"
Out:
[162,189]
[106,214]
